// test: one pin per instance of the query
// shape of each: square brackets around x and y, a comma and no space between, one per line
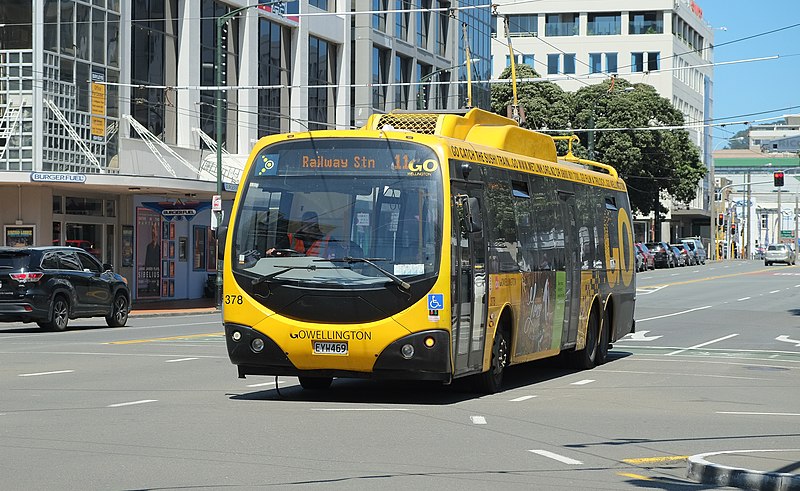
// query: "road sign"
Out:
[787,234]
[216,203]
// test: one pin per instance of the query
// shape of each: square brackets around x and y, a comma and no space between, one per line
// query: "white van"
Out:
[696,246]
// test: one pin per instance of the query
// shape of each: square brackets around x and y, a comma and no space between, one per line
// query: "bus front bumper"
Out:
[427,363]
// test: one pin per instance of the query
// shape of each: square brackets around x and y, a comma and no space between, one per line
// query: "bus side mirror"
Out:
[472,215]
[222,234]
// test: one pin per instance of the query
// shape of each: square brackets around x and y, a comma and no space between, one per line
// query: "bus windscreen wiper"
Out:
[283,269]
[350,260]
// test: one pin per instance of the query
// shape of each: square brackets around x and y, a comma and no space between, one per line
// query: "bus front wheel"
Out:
[491,381]
[315,383]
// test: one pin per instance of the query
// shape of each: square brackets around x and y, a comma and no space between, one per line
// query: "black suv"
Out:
[51,285]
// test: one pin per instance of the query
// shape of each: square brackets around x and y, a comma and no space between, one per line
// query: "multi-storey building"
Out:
[109,130]
[664,43]
[776,137]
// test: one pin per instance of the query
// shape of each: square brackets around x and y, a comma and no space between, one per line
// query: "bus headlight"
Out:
[236,336]
[257,345]
[429,342]
[407,351]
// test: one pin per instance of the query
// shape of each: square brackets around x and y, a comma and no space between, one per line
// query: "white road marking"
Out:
[180,359]
[743,299]
[144,401]
[478,420]
[262,384]
[748,413]
[523,398]
[44,373]
[359,409]
[582,382]
[702,344]
[775,291]
[555,456]
[674,313]
[786,339]
[640,336]
[649,290]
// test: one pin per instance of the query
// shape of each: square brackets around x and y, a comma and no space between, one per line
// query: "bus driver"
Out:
[307,239]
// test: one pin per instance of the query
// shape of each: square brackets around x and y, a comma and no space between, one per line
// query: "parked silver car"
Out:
[779,253]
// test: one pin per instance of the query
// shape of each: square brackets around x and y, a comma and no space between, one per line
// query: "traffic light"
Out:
[721,218]
[777,176]
[733,229]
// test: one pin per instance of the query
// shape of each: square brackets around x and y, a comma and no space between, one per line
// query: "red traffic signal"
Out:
[777,176]
[721,218]
[733,229]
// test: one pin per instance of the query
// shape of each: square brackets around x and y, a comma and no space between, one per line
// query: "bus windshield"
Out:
[340,213]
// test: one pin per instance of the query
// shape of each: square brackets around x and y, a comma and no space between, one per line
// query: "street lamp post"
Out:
[221,22]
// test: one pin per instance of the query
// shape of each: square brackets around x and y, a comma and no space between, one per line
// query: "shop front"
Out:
[175,249]
[154,231]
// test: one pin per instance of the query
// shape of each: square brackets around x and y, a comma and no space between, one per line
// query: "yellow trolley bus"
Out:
[424,246]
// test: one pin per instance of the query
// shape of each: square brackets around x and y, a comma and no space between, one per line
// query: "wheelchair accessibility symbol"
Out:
[435,301]
[435,304]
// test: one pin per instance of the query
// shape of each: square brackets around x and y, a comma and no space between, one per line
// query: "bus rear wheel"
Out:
[315,383]
[491,381]
[587,357]
[603,343]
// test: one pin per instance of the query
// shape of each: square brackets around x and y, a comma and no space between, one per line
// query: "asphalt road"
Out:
[157,405]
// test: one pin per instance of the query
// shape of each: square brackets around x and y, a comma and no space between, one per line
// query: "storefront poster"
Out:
[127,246]
[20,235]
[148,253]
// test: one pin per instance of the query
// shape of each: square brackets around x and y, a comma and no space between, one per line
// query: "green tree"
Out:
[651,161]
[545,104]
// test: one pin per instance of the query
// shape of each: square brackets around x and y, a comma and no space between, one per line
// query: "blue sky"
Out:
[765,87]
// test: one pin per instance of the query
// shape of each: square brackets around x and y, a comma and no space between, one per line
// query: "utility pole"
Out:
[746,248]
[780,218]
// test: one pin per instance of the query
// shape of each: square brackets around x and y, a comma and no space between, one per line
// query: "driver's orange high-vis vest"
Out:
[315,249]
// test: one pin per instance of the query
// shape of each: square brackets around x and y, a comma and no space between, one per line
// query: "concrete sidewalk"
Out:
[158,308]
[765,470]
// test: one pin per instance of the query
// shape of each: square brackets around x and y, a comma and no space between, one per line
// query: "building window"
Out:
[529,60]
[637,62]
[561,25]
[569,63]
[553,64]
[653,59]
[320,4]
[611,62]
[150,43]
[50,25]
[380,77]
[209,12]
[17,30]
[523,25]
[423,23]
[401,19]
[646,23]
[379,18]
[321,60]
[270,72]
[595,62]
[402,78]
[442,29]
[604,24]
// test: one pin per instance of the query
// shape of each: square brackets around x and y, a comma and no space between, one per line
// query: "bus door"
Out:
[572,294]
[468,279]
